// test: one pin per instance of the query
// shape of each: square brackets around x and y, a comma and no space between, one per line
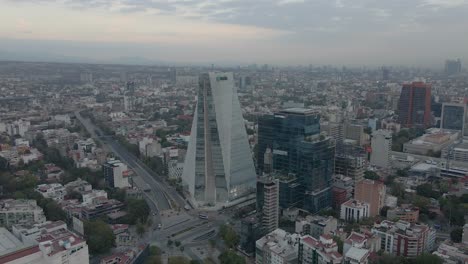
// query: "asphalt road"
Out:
[157,195]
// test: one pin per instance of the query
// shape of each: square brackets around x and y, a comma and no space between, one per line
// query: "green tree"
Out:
[371,175]
[53,211]
[230,257]
[427,191]
[140,229]
[229,236]
[398,190]
[178,260]
[391,259]
[99,236]
[339,242]
[138,210]
[456,235]
[155,251]
[422,203]
[427,258]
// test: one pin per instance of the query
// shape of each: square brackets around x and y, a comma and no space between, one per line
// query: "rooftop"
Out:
[297,110]
[8,242]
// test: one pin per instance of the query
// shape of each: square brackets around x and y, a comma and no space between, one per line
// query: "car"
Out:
[159,226]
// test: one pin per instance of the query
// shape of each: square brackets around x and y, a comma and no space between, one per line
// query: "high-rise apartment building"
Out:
[381,144]
[219,167]
[268,203]
[298,148]
[454,117]
[414,106]
[371,192]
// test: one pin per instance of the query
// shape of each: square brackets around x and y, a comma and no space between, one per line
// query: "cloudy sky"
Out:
[349,32]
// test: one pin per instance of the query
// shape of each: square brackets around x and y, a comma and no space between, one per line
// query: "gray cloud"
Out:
[348,28]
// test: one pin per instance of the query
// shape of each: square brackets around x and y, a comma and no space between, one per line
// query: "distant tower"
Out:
[381,144]
[219,167]
[385,74]
[453,66]
[414,106]
[453,117]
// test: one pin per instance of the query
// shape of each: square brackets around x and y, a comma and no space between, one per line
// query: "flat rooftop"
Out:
[8,242]
[297,110]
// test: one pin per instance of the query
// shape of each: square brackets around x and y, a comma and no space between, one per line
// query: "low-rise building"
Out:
[28,233]
[431,143]
[279,247]
[56,246]
[405,212]
[78,185]
[14,212]
[356,256]
[316,225]
[116,173]
[354,211]
[54,191]
[452,253]
[403,238]
[102,207]
[322,250]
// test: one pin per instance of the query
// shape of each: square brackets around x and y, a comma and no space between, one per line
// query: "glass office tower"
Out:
[298,149]
[219,166]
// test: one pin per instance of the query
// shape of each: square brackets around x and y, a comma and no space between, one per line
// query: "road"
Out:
[158,197]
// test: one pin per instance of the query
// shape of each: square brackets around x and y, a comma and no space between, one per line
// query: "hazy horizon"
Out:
[231,32]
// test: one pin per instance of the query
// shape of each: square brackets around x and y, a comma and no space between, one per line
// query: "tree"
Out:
[178,260]
[99,236]
[422,203]
[229,236]
[177,243]
[371,175]
[230,257]
[52,210]
[155,251]
[427,258]
[339,242]
[426,191]
[398,190]
[138,210]
[391,259]
[456,235]
[3,164]
[140,229]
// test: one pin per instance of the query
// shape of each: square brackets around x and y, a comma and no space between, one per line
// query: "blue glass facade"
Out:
[298,149]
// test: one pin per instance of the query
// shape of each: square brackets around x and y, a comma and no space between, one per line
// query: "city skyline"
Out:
[284,32]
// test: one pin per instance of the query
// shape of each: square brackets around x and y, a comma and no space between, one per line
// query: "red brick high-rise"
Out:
[414,106]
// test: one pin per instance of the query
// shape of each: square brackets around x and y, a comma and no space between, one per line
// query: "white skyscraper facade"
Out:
[219,167]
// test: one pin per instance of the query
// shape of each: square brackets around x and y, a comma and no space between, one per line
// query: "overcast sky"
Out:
[349,32]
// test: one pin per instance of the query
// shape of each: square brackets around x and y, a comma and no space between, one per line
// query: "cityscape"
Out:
[192,157]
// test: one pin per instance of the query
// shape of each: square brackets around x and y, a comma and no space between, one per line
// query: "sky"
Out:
[282,32]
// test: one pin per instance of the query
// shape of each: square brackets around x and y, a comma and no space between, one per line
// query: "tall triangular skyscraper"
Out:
[219,168]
